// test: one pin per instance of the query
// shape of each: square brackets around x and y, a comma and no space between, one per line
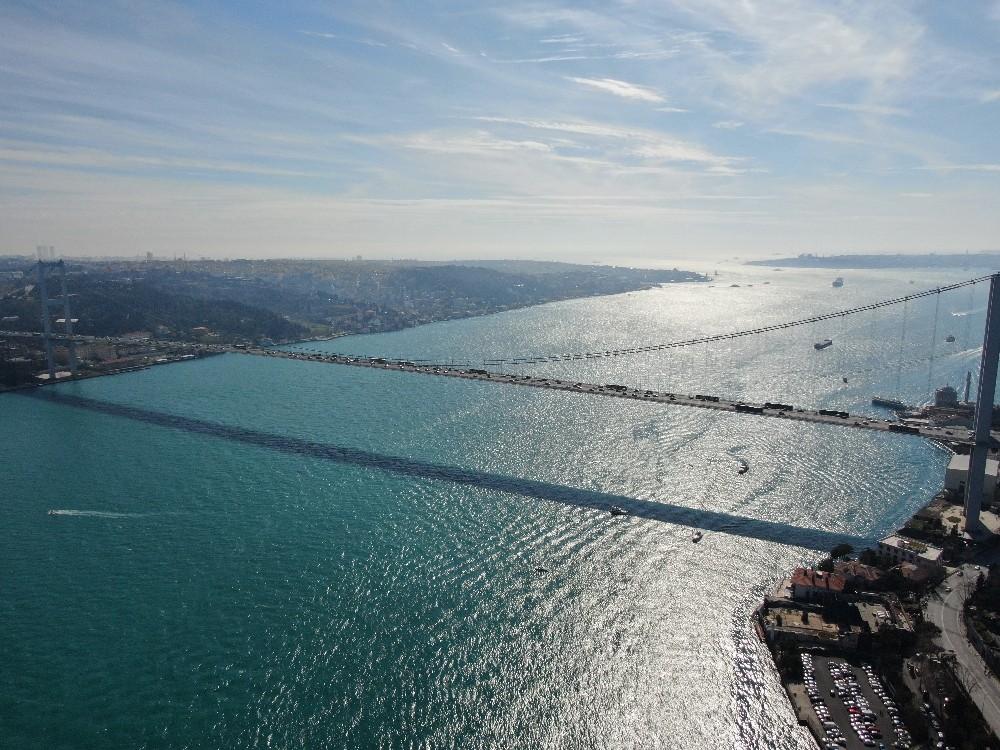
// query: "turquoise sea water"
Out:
[253,553]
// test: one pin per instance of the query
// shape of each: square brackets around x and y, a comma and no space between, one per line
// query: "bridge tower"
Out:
[984,411]
[45,273]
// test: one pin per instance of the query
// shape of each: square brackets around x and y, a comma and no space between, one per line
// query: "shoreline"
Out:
[919,709]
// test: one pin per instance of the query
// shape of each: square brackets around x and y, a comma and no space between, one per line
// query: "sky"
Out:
[442,129]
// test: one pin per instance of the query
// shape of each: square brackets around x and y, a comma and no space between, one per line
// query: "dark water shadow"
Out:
[706,520]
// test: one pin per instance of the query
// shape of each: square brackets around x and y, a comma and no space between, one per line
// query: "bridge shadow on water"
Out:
[707,520]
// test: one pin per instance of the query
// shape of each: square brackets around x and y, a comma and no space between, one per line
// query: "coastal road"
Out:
[944,609]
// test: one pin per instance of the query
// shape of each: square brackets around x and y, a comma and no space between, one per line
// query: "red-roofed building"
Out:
[862,577]
[815,585]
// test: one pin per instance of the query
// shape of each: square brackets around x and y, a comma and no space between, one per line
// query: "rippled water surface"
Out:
[252,553]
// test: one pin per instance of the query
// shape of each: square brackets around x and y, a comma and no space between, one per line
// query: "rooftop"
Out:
[818,579]
[924,551]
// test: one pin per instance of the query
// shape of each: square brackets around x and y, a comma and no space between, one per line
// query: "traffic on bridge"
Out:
[955,436]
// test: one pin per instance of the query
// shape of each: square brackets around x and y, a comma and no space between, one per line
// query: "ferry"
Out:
[889,403]
[823,344]
[838,282]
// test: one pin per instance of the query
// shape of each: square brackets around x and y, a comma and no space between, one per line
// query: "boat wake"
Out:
[93,514]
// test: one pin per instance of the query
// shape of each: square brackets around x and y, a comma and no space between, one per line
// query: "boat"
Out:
[696,537]
[889,403]
[823,344]
[950,339]
[744,466]
[617,510]
[838,282]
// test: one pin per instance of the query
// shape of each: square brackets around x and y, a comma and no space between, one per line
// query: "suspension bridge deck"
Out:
[956,435]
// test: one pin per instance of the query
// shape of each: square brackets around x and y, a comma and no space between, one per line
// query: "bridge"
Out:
[980,439]
[611,390]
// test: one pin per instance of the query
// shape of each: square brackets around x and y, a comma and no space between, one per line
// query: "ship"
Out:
[823,344]
[838,282]
[950,339]
[889,403]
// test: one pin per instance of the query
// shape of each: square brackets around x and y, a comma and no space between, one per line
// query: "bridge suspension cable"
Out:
[735,335]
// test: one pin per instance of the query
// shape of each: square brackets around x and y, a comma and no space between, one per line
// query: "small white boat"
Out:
[696,537]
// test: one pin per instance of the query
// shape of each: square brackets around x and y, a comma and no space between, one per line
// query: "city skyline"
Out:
[556,131]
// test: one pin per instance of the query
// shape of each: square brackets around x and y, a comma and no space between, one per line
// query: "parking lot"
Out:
[852,705]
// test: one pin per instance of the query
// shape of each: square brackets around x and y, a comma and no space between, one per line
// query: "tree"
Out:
[826,565]
[840,551]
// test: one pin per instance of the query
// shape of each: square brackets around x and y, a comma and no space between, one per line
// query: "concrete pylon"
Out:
[984,412]
[47,304]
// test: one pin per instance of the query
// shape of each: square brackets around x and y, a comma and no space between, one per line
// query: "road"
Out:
[944,609]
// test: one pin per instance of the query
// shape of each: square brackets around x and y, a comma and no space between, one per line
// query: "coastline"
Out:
[902,644]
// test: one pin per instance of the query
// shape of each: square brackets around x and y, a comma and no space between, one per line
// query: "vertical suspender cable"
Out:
[902,339]
[930,367]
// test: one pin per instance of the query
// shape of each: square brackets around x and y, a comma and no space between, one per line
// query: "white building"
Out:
[957,476]
[896,549]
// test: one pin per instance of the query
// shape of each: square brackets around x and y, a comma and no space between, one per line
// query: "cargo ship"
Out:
[823,344]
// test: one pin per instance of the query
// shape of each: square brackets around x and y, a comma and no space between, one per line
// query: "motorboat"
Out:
[696,537]
[617,510]
[823,344]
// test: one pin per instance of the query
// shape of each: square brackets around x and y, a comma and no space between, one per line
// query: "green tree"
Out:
[841,551]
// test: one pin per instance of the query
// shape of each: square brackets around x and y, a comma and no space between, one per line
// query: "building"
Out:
[860,576]
[957,477]
[810,585]
[897,549]
[946,397]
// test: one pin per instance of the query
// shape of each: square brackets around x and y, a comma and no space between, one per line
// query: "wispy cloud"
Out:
[961,168]
[410,120]
[342,38]
[620,88]
[871,109]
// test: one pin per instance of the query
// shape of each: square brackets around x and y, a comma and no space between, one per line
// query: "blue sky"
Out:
[605,131]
